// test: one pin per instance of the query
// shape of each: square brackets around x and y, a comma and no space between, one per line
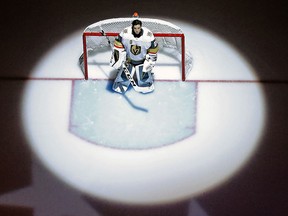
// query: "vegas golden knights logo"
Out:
[135,50]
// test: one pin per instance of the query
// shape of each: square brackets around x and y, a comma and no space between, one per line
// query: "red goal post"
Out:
[166,34]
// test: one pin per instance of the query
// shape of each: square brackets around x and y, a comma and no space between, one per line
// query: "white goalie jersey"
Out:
[135,49]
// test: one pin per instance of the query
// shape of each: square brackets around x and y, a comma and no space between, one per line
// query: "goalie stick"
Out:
[104,34]
[81,58]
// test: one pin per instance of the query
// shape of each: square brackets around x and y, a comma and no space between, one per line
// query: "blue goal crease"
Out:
[165,116]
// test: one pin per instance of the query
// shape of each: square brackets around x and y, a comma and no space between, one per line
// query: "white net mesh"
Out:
[116,25]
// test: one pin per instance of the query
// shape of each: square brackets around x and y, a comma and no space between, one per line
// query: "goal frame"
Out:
[114,34]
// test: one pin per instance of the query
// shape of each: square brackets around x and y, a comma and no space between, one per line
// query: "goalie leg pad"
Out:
[145,79]
[121,82]
[120,87]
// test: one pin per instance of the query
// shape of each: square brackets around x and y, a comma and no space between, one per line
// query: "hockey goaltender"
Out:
[134,56]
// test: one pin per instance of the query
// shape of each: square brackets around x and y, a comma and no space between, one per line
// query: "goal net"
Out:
[170,38]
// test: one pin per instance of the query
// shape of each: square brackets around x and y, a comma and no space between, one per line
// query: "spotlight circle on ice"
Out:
[229,120]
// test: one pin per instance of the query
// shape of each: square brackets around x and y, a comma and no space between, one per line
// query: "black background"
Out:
[258,29]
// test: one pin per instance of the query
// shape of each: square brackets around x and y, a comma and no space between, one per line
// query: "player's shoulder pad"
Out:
[124,31]
[148,34]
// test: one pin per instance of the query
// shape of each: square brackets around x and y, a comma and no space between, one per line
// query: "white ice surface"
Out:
[137,121]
